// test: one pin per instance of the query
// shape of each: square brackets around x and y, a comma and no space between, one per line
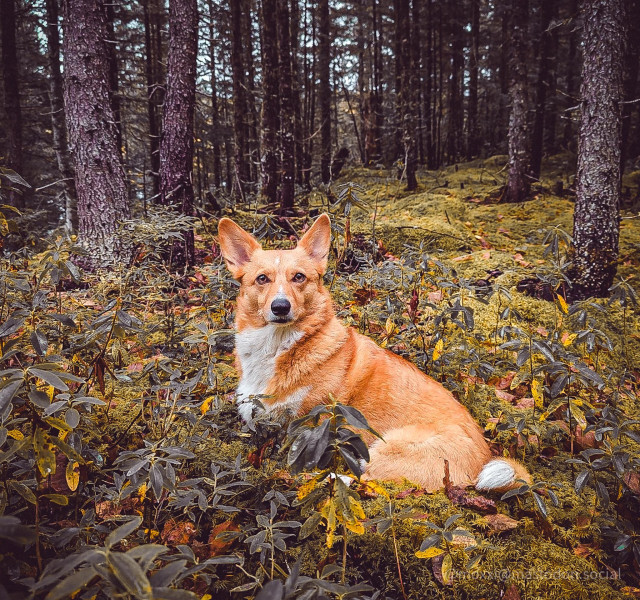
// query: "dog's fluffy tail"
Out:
[501,474]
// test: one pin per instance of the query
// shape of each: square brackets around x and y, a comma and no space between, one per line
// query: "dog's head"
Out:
[277,286]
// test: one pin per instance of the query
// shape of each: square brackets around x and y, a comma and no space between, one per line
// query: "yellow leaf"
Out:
[51,392]
[374,488]
[306,488]
[562,303]
[429,552]
[447,567]
[142,491]
[204,407]
[437,351]
[568,340]
[15,434]
[328,511]
[537,393]
[356,508]
[72,475]
[389,326]
[207,597]
[355,526]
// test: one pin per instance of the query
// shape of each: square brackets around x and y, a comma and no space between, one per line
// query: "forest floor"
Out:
[469,289]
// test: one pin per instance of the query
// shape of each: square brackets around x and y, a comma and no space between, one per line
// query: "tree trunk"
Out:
[632,57]
[474,57]
[114,83]
[596,218]
[11,78]
[100,179]
[154,86]
[455,129]
[251,118]
[324,88]
[271,101]
[545,64]
[287,124]
[571,93]
[176,146]
[241,175]
[58,125]
[518,182]
[295,72]
[215,116]
[406,92]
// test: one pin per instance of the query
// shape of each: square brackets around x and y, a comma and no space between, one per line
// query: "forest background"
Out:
[480,162]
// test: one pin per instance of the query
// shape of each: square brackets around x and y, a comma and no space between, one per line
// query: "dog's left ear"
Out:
[317,241]
[237,246]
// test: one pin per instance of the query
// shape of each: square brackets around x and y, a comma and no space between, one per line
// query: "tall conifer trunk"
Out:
[596,226]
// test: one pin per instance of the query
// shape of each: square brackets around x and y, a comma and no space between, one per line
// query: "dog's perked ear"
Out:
[317,241]
[237,246]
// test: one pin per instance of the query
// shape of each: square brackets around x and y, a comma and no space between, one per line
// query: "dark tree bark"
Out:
[215,114]
[58,124]
[287,116]
[474,57]
[551,115]
[176,146]
[153,72]
[13,110]
[241,175]
[295,72]
[114,81]
[100,179]
[324,88]
[271,101]
[519,181]
[251,118]
[406,91]
[632,58]
[456,117]
[571,90]
[545,64]
[596,225]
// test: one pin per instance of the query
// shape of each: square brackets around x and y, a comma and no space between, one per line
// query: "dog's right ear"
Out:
[237,246]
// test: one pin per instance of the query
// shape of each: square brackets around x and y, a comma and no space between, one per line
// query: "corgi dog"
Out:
[292,351]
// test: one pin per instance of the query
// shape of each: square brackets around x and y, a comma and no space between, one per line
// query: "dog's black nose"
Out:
[280,307]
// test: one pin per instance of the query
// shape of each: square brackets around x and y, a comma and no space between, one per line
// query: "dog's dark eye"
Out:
[262,279]
[299,277]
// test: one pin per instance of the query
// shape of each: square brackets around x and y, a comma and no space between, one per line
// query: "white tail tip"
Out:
[495,474]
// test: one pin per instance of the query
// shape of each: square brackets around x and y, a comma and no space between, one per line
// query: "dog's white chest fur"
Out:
[257,350]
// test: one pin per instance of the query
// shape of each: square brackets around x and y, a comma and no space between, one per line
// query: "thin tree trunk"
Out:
[545,58]
[270,101]
[518,182]
[100,179]
[406,93]
[324,88]
[241,176]
[215,116]
[176,147]
[295,71]
[11,79]
[455,128]
[153,84]
[474,57]
[596,218]
[58,124]
[632,58]
[571,94]
[114,83]
[251,118]
[287,117]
